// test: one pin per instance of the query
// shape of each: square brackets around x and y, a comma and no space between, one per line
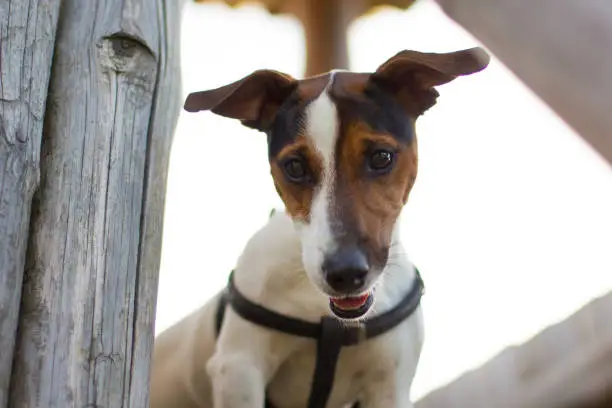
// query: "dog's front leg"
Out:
[389,386]
[245,359]
[390,376]
[386,396]
[238,381]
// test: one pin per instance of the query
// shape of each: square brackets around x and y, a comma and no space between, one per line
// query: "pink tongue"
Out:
[350,302]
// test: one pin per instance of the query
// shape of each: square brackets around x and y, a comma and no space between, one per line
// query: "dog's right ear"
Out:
[254,100]
[412,75]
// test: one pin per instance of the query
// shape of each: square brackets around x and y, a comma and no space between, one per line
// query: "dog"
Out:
[343,158]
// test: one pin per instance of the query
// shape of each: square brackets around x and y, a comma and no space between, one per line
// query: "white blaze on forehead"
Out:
[322,130]
[322,124]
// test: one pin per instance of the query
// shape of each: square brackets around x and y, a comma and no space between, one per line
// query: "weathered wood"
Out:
[86,324]
[166,107]
[568,365]
[27,36]
[559,48]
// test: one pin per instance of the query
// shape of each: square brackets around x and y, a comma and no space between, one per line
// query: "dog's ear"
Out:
[411,76]
[254,100]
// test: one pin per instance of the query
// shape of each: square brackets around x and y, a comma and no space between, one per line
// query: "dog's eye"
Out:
[380,161]
[296,171]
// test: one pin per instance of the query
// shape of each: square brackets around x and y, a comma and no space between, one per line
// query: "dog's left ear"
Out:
[254,100]
[411,76]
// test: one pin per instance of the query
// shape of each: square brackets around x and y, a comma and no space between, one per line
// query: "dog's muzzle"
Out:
[346,272]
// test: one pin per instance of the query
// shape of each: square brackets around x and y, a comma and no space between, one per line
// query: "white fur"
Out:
[317,238]
[191,368]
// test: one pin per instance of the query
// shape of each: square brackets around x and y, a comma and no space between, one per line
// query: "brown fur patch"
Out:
[297,197]
[371,204]
[310,88]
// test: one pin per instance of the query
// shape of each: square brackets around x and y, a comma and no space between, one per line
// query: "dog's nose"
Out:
[346,270]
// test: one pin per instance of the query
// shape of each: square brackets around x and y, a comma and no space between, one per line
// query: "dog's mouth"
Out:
[351,307]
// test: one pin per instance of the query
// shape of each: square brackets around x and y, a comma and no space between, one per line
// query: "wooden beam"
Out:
[88,308]
[568,365]
[326,24]
[27,36]
[559,48]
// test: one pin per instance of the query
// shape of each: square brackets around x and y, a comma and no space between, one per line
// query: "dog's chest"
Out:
[358,367]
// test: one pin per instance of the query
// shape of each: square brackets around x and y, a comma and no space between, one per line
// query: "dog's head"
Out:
[343,156]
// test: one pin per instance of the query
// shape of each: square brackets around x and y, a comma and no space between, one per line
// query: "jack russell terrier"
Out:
[322,309]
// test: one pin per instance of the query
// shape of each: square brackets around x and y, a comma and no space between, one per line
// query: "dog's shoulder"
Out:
[275,244]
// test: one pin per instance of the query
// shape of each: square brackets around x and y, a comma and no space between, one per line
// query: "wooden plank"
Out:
[559,48]
[568,365]
[88,306]
[27,36]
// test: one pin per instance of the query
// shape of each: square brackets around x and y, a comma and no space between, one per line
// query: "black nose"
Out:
[346,270]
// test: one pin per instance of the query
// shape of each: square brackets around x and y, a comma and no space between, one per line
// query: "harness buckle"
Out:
[354,334]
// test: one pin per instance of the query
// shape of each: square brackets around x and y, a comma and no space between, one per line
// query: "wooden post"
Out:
[27,35]
[88,302]
[325,25]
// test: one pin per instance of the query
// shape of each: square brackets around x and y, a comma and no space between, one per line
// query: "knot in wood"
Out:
[123,53]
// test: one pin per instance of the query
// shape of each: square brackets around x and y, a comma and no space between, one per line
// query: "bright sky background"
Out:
[510,220]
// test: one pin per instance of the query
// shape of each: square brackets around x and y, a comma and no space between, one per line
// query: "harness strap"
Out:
[351,335]
[331,334]
[328,350]
[220,313]
[268,318]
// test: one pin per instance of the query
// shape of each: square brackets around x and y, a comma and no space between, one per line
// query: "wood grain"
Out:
[88,302]
[27,35]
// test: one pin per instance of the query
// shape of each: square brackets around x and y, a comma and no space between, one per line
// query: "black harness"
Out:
[331,333]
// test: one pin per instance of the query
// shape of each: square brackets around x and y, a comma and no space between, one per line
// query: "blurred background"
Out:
[509,221]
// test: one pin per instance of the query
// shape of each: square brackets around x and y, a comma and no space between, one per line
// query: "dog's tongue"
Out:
[350,302]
